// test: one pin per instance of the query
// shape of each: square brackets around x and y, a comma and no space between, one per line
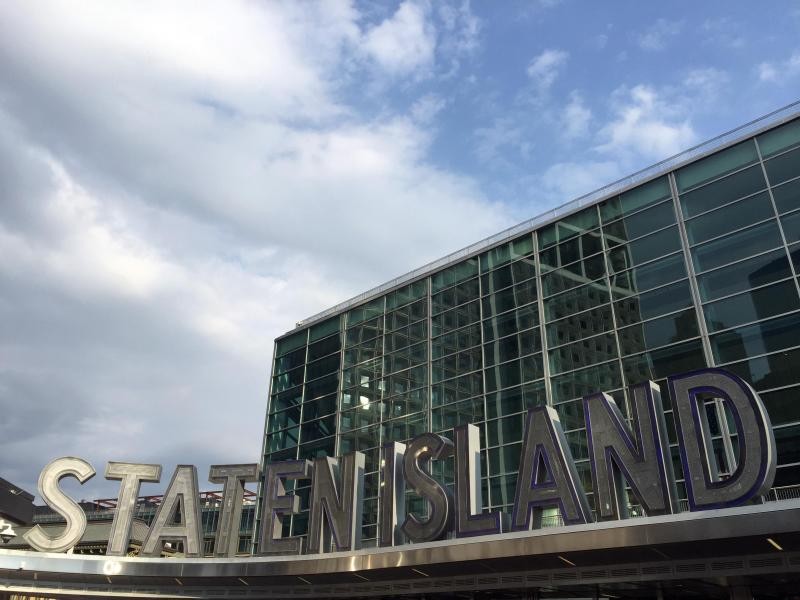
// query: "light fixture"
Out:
[7,532]
[775,544]
[566,560]
[364,402]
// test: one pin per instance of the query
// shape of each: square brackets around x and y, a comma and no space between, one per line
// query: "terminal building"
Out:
[691,263]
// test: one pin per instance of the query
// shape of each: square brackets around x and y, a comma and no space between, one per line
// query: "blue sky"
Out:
[181,182]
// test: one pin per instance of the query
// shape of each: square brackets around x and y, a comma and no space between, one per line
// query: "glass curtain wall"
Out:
[695,268]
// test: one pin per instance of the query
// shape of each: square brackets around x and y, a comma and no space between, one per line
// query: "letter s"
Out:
[56,499]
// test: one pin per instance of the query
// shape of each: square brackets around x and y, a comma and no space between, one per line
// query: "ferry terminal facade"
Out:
[696,267]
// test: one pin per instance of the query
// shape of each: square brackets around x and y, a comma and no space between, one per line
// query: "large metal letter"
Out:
[547,475]
[337,495]
[420,451]
[131,475]
[469,503]
[52,495]
[233,478]
[277,504]
[182,494]
[640,454]
[392,495]
[755,470]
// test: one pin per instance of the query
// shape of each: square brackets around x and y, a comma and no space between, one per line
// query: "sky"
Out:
[181,182]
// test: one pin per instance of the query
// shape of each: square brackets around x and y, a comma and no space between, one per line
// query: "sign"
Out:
[619,453]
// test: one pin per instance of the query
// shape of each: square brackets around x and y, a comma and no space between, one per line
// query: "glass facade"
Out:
[696,267]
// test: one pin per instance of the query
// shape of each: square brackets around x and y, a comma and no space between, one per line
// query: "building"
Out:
[100,513]
[691,263]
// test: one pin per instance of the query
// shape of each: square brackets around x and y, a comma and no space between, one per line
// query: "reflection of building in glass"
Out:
[694,265]
[99,514]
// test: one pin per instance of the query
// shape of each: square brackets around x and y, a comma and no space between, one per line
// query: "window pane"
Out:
[721,192]
[787,196]
[654,274]
[779,139]
[752,340]
[508,323]
[519,295]
[568,227]
[652,304]
[736,246]
[506,253]
[782,405]
[456,340]
[572,250]
[505,431]
[635,199]
[752,306]
[290,361]
[582,353]
[599,378]
[736,216]
[324,347]
[291,342]
[658,332]
[454,274]
[512,347]
[639,224]
[750,273]
[576,300]
[644,249]
[453,296]
[455,318]
[324,329]
[716,165]
[578,326]
[771,371]
[665,361]
[407,294]
[783,167]
[323,366]
[791,227]
[367,311]
[573,275]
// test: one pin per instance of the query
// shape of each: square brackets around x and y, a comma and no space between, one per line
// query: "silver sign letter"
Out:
[641,454]
[131,476]
[755,470]
[181,495]
[392,495]
[337,495]
[233,478]
[547,475]
[469,503]
[420,451]
[277,504]
[52,495]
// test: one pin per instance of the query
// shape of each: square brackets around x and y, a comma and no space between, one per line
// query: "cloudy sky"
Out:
[181,182]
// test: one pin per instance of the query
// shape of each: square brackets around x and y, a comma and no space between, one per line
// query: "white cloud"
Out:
[180,189]
[503,133]
[780,71]
[425,109]
[544,68]
[646,125]
[767,72]
[403,43]
[576,117]
[723,31]
[569,180]
[657,36]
